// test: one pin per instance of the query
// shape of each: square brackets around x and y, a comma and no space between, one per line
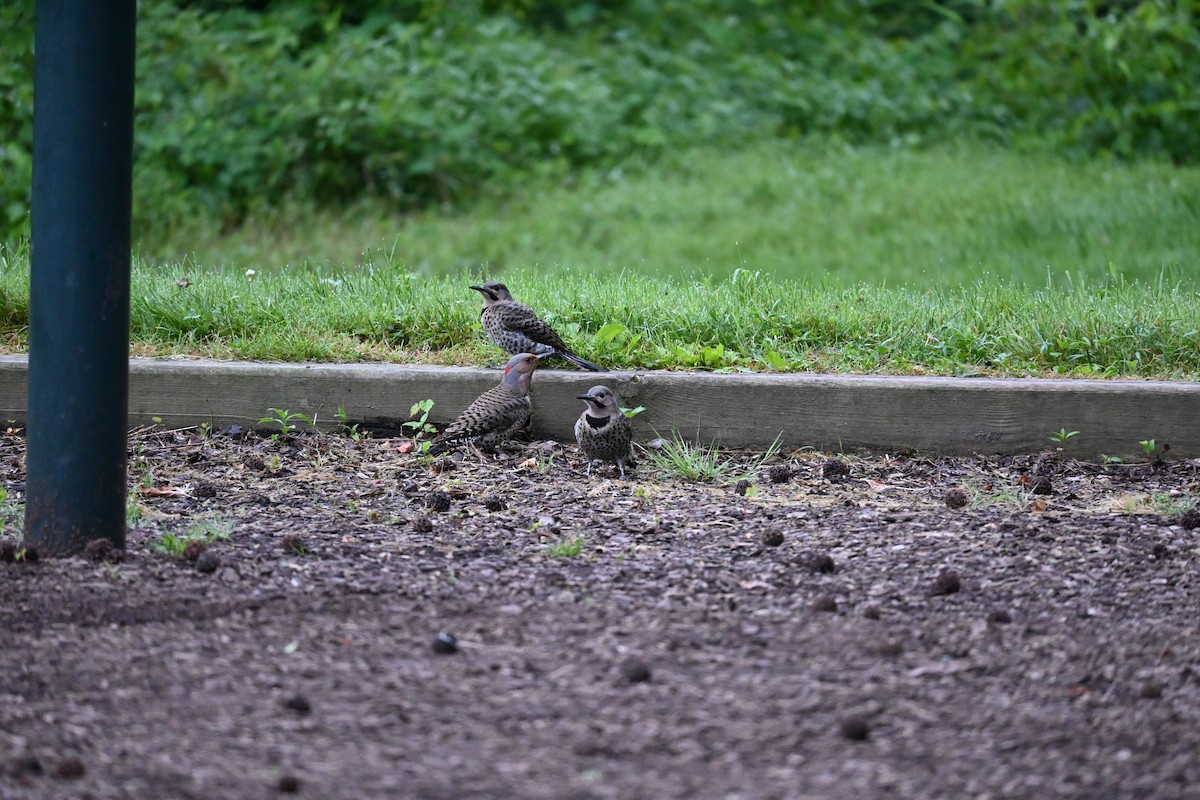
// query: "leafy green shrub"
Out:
[426,102]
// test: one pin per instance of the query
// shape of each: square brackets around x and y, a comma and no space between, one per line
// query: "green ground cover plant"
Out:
[818,211]
[746,321]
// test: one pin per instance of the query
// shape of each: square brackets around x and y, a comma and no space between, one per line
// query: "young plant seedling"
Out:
[421,427]
[1062,436]
[286,420]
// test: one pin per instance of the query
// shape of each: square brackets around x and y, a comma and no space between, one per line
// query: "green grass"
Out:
[966,261]
[941,217]
[204,530]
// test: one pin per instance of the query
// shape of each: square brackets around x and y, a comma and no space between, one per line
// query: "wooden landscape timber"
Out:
[850,413]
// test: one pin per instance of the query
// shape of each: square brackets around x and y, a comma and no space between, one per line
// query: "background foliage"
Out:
[242,105]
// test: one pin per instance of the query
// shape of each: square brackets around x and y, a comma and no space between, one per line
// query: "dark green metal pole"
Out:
[79,287]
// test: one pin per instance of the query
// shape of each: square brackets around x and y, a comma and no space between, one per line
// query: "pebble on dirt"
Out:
[437,501]
[741,487]
[635,670]
[956,498]
[855,729]
[298,703]
[834,469]
[1190,519]
[193,550]
[1043,485]
[203,489]
[288,784]
[780,473]
[422,524]
[891,648]
[947,582]
[294,544]
[70,769]
[208,561]
[1151,690]
[772,537]
[999,617]
[102,551]
[445,643]
[872,612]
[494,503]
[821,563]
[824,602]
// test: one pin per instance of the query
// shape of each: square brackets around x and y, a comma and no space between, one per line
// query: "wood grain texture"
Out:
[827,412]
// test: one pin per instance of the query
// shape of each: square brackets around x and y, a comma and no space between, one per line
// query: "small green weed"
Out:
[286,420]
[203,530]
[421,427]
[691,461]
[350,430]
[567,548]
[1063,436]
[695,462]
[1158,503]
[10,510]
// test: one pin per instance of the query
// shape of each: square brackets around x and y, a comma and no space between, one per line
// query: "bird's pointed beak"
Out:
[479,288]
[583,397]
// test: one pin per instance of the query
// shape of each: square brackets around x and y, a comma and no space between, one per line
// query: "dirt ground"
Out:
[366,623]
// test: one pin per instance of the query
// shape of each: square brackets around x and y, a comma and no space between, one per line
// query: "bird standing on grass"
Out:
[516,328]
[602,430]
[496,414]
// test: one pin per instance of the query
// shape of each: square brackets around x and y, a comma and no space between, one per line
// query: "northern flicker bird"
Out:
[497,413]
[602,430]
[516,328]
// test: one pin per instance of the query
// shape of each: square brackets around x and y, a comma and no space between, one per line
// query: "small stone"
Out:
[445,464]
[779,473]
[634,670]
[741,487]
[293,544]
[956,498]
[891,648]
[824,602]
[208,562]
[298,703]
[1043,485]
[422,524]
[437,501]
[872,612]
[947,582]
[855,729]
[494,503]
[1190,519]
[445,643]
[203,489]
[1151,690]
[772,537]
[70,769]
[102,551]
[999,616]
[288,784]
[834,469]
[26,765]
[821,563]
[254,462]
[193,550]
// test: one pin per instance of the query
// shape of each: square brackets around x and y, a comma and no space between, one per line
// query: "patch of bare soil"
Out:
[381,625]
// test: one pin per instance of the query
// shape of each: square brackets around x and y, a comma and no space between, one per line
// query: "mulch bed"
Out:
[369,623]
